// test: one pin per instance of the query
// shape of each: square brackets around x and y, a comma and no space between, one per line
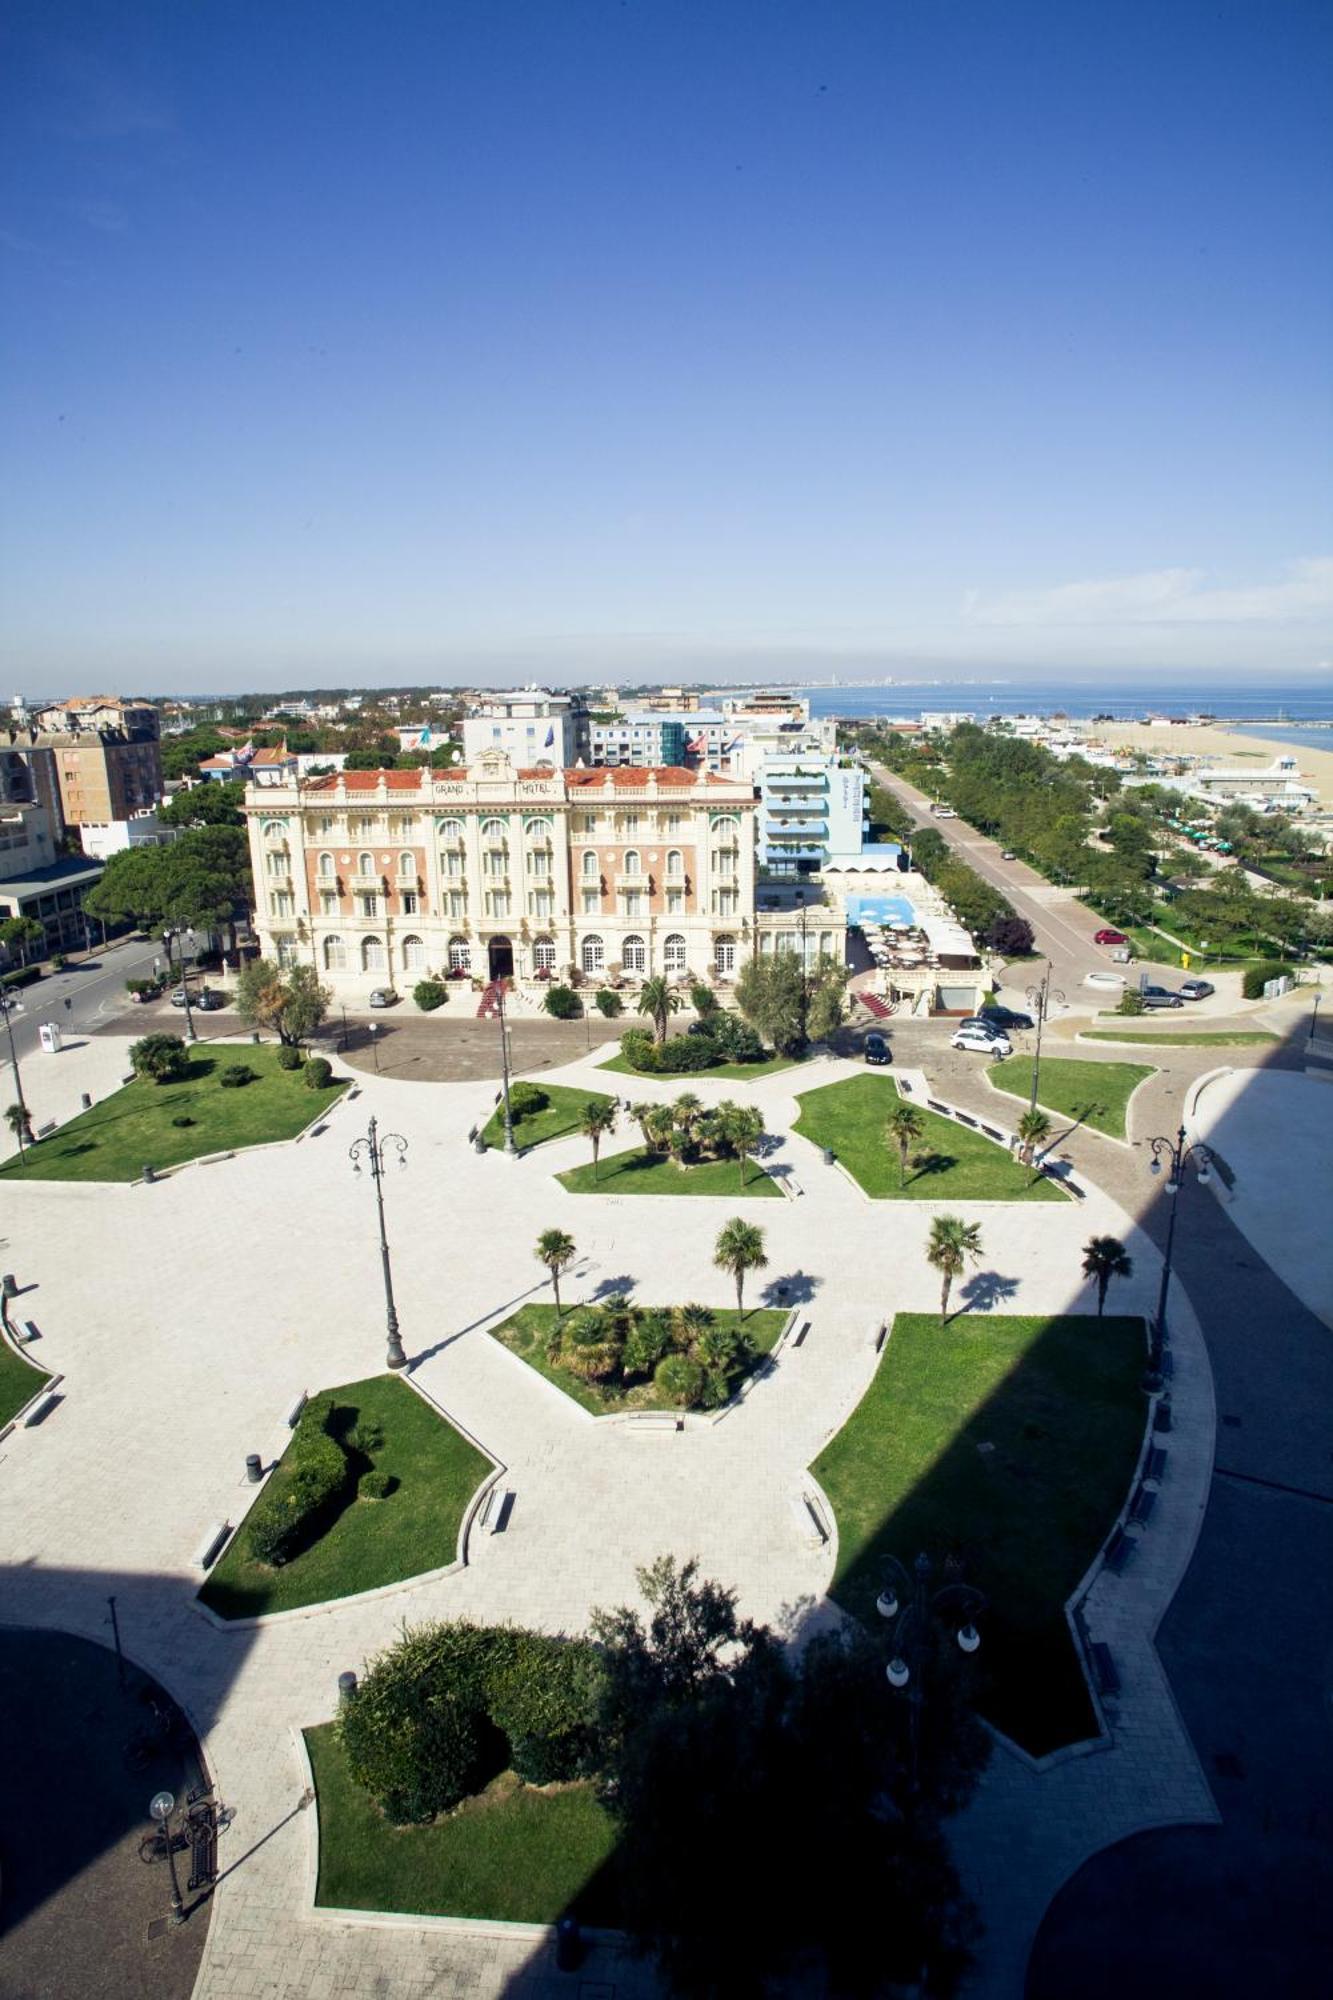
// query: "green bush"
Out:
[680,1380]
[562,1003]
[686,1055]
[430,994]
[288,1057]
[313,1473]
[58,961]
[735,1040]
[317,1073]
[702,998]
[23,975]
[526,1100]
[1131,1002]
[183,1122]
[608,1003]
[235,1076]
[639,1050]
[375,1485]
[161,1058]
[1257,977]
[422,1725]
[367,1438]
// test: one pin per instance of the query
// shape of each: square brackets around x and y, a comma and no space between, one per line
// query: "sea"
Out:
[1300,715]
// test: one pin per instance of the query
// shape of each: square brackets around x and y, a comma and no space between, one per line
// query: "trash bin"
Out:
[479,1144]
[254,1467]
[85,1099]
[567,1953]
[148,1174]
[829,1157]
[346,1684]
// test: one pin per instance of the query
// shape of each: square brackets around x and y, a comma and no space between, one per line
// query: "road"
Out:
[83,998]
[1064,928]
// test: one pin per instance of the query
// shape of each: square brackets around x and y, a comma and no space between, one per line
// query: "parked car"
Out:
[205,998]
[384,996]
[1159,996]
[876,1049]
[980,1041]
[1109,937]
[1008,855]
[1196,989]
[1005,1017]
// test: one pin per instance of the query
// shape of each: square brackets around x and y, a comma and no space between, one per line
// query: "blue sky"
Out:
[566,338]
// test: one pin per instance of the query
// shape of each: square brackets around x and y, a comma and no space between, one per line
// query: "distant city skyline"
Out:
[504,343]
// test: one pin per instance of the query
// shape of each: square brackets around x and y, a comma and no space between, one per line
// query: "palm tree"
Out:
[690,1324]
[742,1127]
[19,1120]
[642,1114]
[596,1119]
[686,1112]
[1033,1128]
[904,1126]
[952,1242]
[658,1126]
[657,1000]
[1104,1258]
[557,1251]
[740,1248]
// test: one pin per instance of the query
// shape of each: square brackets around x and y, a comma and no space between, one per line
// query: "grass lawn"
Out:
[560,1118]
[369,1542]
[744,1072]
[118,1137]
[1092,1093]
[1058,1401]
[514,1853]
[957,1165]
[1239,1038]
[645,1172]
[19,1381]
[527,1331]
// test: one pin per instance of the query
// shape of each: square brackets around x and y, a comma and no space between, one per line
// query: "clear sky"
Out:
[559,338]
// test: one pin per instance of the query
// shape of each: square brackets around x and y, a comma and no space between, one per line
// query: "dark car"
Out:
[877,1050]
[1196,989]
[206,999]
[1005,1017]
[1159,996]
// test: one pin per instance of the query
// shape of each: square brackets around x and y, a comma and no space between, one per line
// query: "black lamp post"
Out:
[509,1145]
[1180,1155]
[917,1608]
[161,1806]
[1039,999]
[9,1007]
[179,936]
[373,1148]
[374,1032]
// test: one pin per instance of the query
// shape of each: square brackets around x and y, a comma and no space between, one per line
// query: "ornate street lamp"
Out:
[160,1807]
[1039,999]
[917,1608]
[1181,1156]
[372,1147]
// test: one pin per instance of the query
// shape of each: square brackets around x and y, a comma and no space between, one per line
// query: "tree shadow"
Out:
[607,1288]
[926,1165]
[793,1288]
[985,1291]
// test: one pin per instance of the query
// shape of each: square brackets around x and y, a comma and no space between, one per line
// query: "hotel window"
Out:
[632,864]
[328,903]
[539,863]
[673,953]
[409,902]
[590,868]
[495,862]
[457,903]
[629,827]
[407,867]
[453,861]
[592,902]
[460,954]
[277,864]
[326,867]
[335,955]
[585,824]
[675,862]
[633,902]
[282,904]
[634,955]
[543,955]
[325,826]
[674,824]
[539,903]
[675,902]
[365,865]
[367,906]
[497,903]
[724,902]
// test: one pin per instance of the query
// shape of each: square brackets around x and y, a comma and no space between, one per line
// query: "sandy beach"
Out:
[1224,746]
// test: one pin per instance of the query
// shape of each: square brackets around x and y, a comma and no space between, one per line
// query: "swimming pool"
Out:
[880,910]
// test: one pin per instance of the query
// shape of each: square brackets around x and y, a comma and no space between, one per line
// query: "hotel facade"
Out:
[383,878]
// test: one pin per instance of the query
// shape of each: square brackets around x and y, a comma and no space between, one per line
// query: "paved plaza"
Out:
[188,1315]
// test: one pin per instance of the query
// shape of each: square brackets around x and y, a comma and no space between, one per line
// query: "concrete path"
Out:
[188,1315]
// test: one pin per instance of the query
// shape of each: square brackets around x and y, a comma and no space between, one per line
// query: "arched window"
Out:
[594,955]
[724,956]
[460,955]
[372,954]
[543,954]
[326,869]
[590,868]
[494,829]
[414,955]
[335,955]
[407,866]
[365,864]
[675,864]
[632,861]
[449,832]
[673,953]
[726,824]
[538,831]
[634,955]
[274,829]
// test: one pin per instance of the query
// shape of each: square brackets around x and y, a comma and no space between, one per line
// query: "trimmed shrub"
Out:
[183,1122]
[161,1058]
[1131,1002]
[563,1004]
[608,1003]
[702,998]
[317,1073]
[735,1040]
[236,1075]
[23,975]
[526,1100]
[58,961]
[639,1050]
[288,1057]
[1257,977]
[313,1473]
[375,1485]
[686,1055]
[680,1380]
[430,994]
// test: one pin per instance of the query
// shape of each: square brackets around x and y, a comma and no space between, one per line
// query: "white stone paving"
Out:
[188,1315]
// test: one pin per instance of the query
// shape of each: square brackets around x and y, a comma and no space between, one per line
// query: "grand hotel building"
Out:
[381,878]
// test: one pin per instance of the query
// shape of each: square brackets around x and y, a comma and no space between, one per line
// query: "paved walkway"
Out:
[192,1312]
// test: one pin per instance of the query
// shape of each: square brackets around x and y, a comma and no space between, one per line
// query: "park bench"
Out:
[294,1414]
[207,1552]
[498,1509]
[1155,1465]
[798,1338]
[41,1409]
[1105,1675]
[991,1133]
[656,1420]
[808,1524]
[1118,1551]
[963,1119]
[1140,1510]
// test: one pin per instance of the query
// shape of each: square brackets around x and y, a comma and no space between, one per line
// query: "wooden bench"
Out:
[1141,1506]
[798,1338]
[1155,1466]
[294,1414]
[207,1552]
[1118,1551]
[1105,1675]
[41,1409]
[808,1526]
[498,1509]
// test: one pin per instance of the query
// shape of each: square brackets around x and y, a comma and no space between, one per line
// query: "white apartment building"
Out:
[381,878]
[534,729]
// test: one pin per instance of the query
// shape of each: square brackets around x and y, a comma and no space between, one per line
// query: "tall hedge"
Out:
[431,1713]
[314,1472]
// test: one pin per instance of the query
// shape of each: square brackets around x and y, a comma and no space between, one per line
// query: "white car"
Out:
[981,1042]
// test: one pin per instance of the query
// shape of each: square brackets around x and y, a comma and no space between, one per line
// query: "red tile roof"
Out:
[619,777]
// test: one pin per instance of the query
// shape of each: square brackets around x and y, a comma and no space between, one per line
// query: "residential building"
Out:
[637,737]
[673,701]
[534,729]
[143,829]
[382,877]
[36,882]
[768,706]
[104,752]
[273,765]
[810,808]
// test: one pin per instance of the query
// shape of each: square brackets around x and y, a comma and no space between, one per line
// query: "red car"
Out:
[1110,937]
